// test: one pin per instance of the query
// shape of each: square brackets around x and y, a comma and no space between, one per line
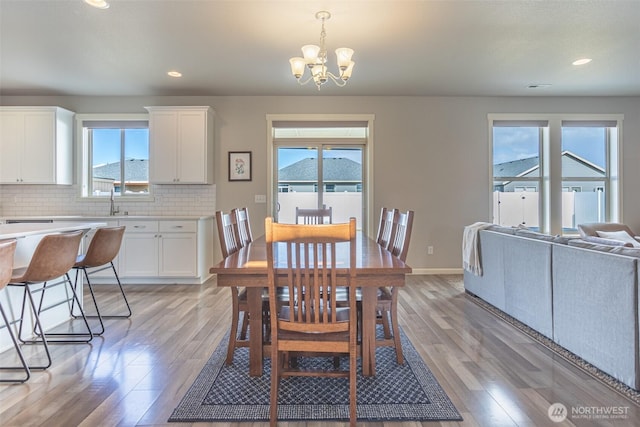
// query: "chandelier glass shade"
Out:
[314,58]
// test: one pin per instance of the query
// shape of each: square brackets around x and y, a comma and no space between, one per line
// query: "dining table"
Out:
[375,267]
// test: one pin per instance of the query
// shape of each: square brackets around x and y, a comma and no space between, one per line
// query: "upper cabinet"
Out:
[180,145]
[36,145]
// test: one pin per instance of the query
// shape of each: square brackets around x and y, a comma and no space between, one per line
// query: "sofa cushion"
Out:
[581,243]
[620,235]
[591,228]
[621,250]
[534,235]
[604,241]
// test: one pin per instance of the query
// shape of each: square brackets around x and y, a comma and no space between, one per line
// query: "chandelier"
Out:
[315,59]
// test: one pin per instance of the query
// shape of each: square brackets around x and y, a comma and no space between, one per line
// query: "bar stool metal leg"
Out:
[25,366]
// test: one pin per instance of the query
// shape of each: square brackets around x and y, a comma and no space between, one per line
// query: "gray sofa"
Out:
[581,295]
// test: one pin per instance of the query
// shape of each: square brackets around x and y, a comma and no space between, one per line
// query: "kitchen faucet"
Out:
[113,210]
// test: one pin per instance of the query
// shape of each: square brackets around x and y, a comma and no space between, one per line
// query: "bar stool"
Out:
[7,250]
[54,256]
[103,249]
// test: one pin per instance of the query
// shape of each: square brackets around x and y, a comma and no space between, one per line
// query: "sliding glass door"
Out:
[314,175]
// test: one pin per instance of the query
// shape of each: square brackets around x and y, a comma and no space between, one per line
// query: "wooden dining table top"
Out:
[371,258]
[375,267]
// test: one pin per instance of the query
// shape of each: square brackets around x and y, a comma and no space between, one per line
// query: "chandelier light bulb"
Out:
[314,57]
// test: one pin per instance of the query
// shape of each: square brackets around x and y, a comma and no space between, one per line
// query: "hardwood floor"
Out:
[139,370]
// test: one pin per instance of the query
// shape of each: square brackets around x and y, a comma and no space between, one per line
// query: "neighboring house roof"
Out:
[135,170]
[521,167]
[337,169]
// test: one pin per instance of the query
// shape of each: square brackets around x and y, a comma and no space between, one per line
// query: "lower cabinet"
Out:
[164,251]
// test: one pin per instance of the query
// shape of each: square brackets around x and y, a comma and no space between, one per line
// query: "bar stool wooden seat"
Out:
[7,250]
[54,256]
[103,249]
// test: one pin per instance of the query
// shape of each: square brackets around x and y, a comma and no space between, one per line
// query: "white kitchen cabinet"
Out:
[181,145]
[36,145]
[159,249]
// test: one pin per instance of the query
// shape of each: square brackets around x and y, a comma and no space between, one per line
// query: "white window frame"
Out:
[83,154]
[367,173]
[550,206]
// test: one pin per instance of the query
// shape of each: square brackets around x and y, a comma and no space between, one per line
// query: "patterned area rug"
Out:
[406,392]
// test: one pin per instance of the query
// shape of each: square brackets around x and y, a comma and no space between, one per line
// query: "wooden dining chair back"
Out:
[387,305]
[7,251]
[103,249]
[230,242]
[401,235]
[302,258]
[314,216]
[244,225]
[228,233]
[388,217]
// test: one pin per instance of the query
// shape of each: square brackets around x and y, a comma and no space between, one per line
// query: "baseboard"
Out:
[432,271]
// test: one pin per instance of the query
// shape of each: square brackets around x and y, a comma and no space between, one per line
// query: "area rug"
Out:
[407,392]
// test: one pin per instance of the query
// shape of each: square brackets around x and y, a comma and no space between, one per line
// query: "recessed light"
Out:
[100,4]
[581,61]
[539,85]
[175,73]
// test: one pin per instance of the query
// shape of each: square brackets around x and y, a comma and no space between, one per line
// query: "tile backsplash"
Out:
[63,200]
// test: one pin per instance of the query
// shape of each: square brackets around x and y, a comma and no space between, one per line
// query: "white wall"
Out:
[431,153]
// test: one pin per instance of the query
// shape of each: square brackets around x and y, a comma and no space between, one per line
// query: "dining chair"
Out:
[244,225]
[322,215]
[387,304]
[230,242]
[7,251]
[302,258]
[103,249]
[53,257]
[388,217]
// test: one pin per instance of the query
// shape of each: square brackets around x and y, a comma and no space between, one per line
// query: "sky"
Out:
[106,144]
[510,143]
[513,143]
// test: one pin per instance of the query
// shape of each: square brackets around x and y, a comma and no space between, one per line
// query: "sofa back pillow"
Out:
[621,236]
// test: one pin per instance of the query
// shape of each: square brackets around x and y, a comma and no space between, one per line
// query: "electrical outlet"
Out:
[429,250]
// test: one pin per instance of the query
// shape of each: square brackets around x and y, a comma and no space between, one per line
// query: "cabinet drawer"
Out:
[141,226]
[178,226]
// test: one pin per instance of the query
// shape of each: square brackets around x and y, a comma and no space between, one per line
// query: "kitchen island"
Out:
[27,236]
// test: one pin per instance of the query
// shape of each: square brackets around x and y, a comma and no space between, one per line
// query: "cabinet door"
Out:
[38,165]
[11,146]
[178,255]
[163,140]
[192,158]
[139,255]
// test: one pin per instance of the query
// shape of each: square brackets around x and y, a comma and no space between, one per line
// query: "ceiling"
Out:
[242,47]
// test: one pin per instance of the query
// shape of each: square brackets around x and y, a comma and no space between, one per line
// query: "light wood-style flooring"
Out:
[139,370]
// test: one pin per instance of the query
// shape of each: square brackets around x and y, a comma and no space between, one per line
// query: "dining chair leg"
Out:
[233,332]
[25,366]
[276,362]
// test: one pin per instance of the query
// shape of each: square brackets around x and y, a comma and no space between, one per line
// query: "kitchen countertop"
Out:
[13,231]
[107,217]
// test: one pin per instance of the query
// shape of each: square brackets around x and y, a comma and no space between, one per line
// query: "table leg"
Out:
[254,298]
[369,296]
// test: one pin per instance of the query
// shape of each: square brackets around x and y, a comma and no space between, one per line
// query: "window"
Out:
[553,172]
[115,155]
[322,160]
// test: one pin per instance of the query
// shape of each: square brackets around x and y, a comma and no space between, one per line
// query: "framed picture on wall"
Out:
[239,165]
